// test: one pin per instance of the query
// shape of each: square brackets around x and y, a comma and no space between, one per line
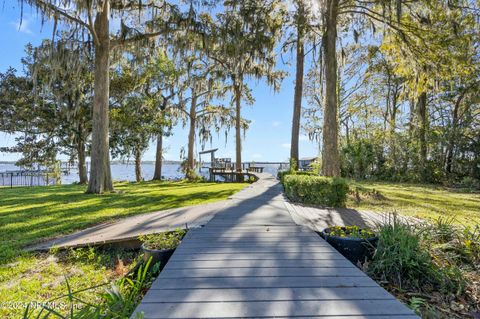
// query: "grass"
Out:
[33,214]
[423,201]
[38,278]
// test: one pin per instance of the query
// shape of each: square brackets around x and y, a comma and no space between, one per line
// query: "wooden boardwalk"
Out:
[252,261]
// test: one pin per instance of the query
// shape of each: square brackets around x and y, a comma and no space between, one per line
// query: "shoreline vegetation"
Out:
[113,162]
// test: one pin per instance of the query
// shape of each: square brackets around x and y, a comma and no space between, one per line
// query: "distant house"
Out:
[304,162]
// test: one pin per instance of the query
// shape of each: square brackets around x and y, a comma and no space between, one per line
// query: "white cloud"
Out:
[276,123]
[256,155]
[22,26]
[286,145]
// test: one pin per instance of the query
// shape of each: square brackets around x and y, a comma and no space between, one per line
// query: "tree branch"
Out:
[64,14]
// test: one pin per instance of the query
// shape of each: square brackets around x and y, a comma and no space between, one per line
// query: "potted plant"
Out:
[161,246]
[354,243]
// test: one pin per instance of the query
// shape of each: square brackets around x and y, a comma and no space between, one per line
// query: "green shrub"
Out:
[453,244]
[350,232]
[399,258]
[404,258]
[318,190]
[470,183]
[164,240]
[281,174]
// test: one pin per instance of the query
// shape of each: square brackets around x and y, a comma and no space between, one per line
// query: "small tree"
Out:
[49,105]
[70,93]
[141,108]
[201,87]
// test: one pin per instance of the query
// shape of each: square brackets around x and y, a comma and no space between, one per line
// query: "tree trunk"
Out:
[453,135]
[191,140]
[238,129]
[100,174]
[82,168]
[411,119]
[138,166]
[330,155]
[393,125]
[422,132]
[157,175]
[297,100]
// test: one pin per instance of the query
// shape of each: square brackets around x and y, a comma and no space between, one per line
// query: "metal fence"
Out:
[27,178]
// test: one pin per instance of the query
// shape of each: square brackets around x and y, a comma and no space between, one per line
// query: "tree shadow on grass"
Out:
[63,212]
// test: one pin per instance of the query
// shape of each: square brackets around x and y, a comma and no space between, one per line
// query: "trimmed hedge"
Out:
[318,190]
[282,174]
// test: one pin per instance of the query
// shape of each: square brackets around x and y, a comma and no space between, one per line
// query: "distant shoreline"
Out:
[164,162]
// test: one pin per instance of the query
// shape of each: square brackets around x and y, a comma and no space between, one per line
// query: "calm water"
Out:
[126,172]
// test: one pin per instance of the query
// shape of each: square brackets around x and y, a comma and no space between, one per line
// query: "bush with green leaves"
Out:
[469,182]
[281,174]
[404,257]
[350,232]
[438,261]
[399,258]
[317,190]
[165,240]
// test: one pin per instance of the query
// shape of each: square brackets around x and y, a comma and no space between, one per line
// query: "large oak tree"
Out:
[90,22]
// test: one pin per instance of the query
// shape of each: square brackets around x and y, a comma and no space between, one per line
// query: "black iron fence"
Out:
[28,178]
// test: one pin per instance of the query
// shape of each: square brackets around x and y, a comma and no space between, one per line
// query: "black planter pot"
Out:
[354,249]
[161,256]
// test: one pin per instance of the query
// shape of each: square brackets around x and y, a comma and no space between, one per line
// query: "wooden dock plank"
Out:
[273,308]
[255,250]
[262,282]
[259,263]
[252,261]
[261,272]
[259,256]
[264,294]
[253,235]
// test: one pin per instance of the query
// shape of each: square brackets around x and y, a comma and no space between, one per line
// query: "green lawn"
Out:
[424,201]
[38,278]
[32,214]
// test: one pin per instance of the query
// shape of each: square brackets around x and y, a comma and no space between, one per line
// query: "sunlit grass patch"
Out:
[38,278]
[31,214]
[423,201]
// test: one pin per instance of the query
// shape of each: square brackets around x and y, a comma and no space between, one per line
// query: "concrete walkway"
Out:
[252,261]
[131,227]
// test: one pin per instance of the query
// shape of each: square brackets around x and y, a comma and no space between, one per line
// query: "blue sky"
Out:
[268,138]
